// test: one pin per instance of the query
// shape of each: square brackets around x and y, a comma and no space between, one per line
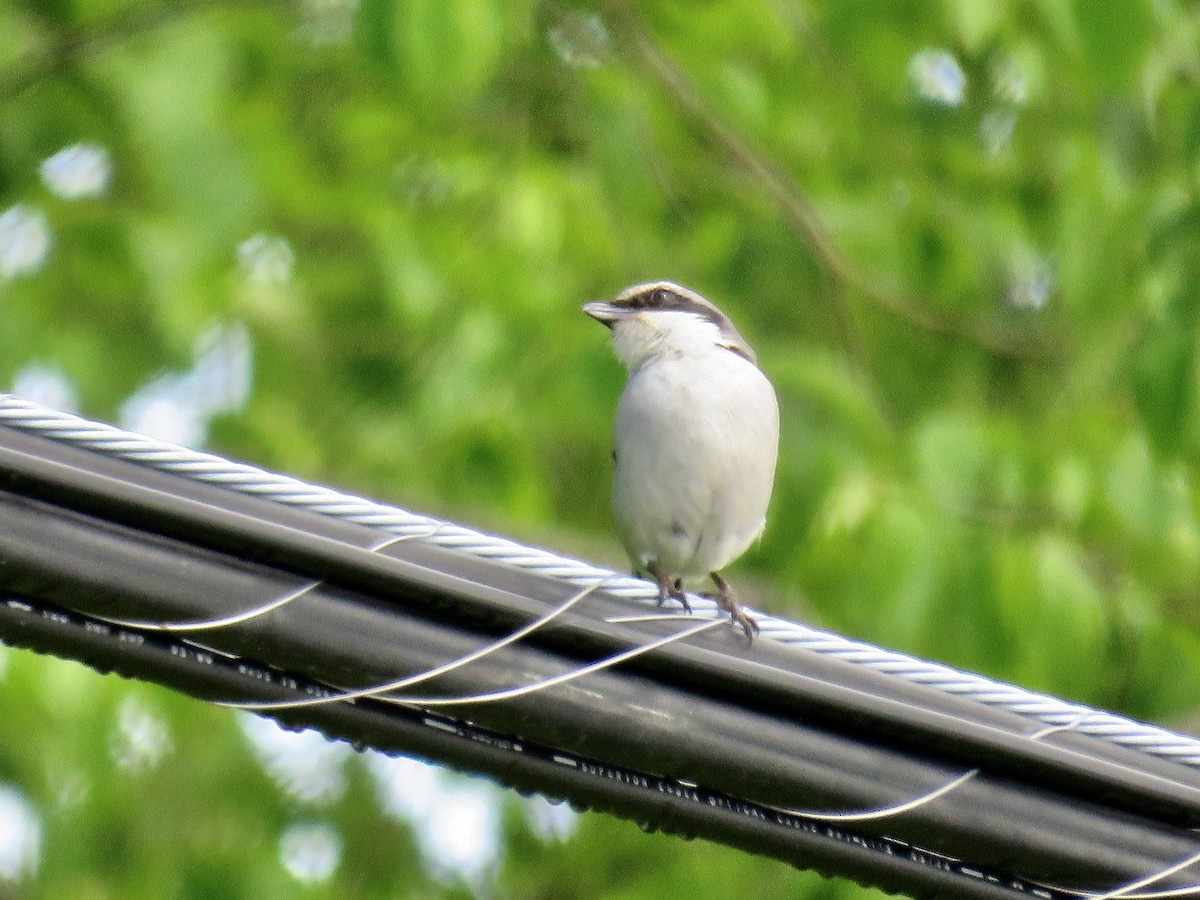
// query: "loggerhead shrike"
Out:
[695,441]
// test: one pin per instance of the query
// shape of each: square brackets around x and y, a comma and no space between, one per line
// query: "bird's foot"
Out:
[672,589]
[727,600]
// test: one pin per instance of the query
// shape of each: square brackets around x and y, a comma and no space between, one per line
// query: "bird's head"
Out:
[664,318]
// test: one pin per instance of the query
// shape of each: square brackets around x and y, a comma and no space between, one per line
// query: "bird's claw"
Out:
[727,600]
[675,593]
[749,625]
[673,590]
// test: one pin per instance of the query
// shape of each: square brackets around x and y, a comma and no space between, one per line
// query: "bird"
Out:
[695,440]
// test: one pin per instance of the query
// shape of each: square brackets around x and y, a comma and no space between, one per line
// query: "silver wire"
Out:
[252,613]
[562,678]
[921,799]
[412,680]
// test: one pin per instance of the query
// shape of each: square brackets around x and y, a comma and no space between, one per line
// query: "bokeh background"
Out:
[348,240]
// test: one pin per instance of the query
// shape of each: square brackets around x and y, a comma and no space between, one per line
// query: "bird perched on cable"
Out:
[695,440]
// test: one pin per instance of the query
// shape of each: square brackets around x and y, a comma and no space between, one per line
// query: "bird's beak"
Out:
[603,312]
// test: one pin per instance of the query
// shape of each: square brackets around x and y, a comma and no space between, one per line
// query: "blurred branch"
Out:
[795,207]
[804,220]
[62,47]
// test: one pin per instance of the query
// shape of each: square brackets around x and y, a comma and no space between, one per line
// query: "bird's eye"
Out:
[659,297]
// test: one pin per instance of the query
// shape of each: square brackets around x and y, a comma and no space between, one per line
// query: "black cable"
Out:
[656,803]
[768,726]
[342,637]
[494,598]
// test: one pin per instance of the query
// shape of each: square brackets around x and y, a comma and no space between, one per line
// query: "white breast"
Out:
[696,437]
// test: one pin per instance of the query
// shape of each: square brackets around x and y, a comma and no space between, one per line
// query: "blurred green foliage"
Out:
[962,235]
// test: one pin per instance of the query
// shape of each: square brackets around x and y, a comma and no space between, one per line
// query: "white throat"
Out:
[654,333]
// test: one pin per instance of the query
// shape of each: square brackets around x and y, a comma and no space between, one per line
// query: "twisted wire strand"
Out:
[486,650]
[1132,890]
[253,612]
[886,812]
[215,470]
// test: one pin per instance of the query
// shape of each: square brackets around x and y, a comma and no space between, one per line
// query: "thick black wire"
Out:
[341,637]
[655,802]
[499,599]
[124,542]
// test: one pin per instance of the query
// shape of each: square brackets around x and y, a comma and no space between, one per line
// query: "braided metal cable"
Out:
[211,469]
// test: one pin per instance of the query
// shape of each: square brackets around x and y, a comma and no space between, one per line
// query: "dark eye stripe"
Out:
[662,298]
[659,297]
[667,299]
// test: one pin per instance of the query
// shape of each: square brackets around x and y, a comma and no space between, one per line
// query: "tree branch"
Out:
[804,221]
